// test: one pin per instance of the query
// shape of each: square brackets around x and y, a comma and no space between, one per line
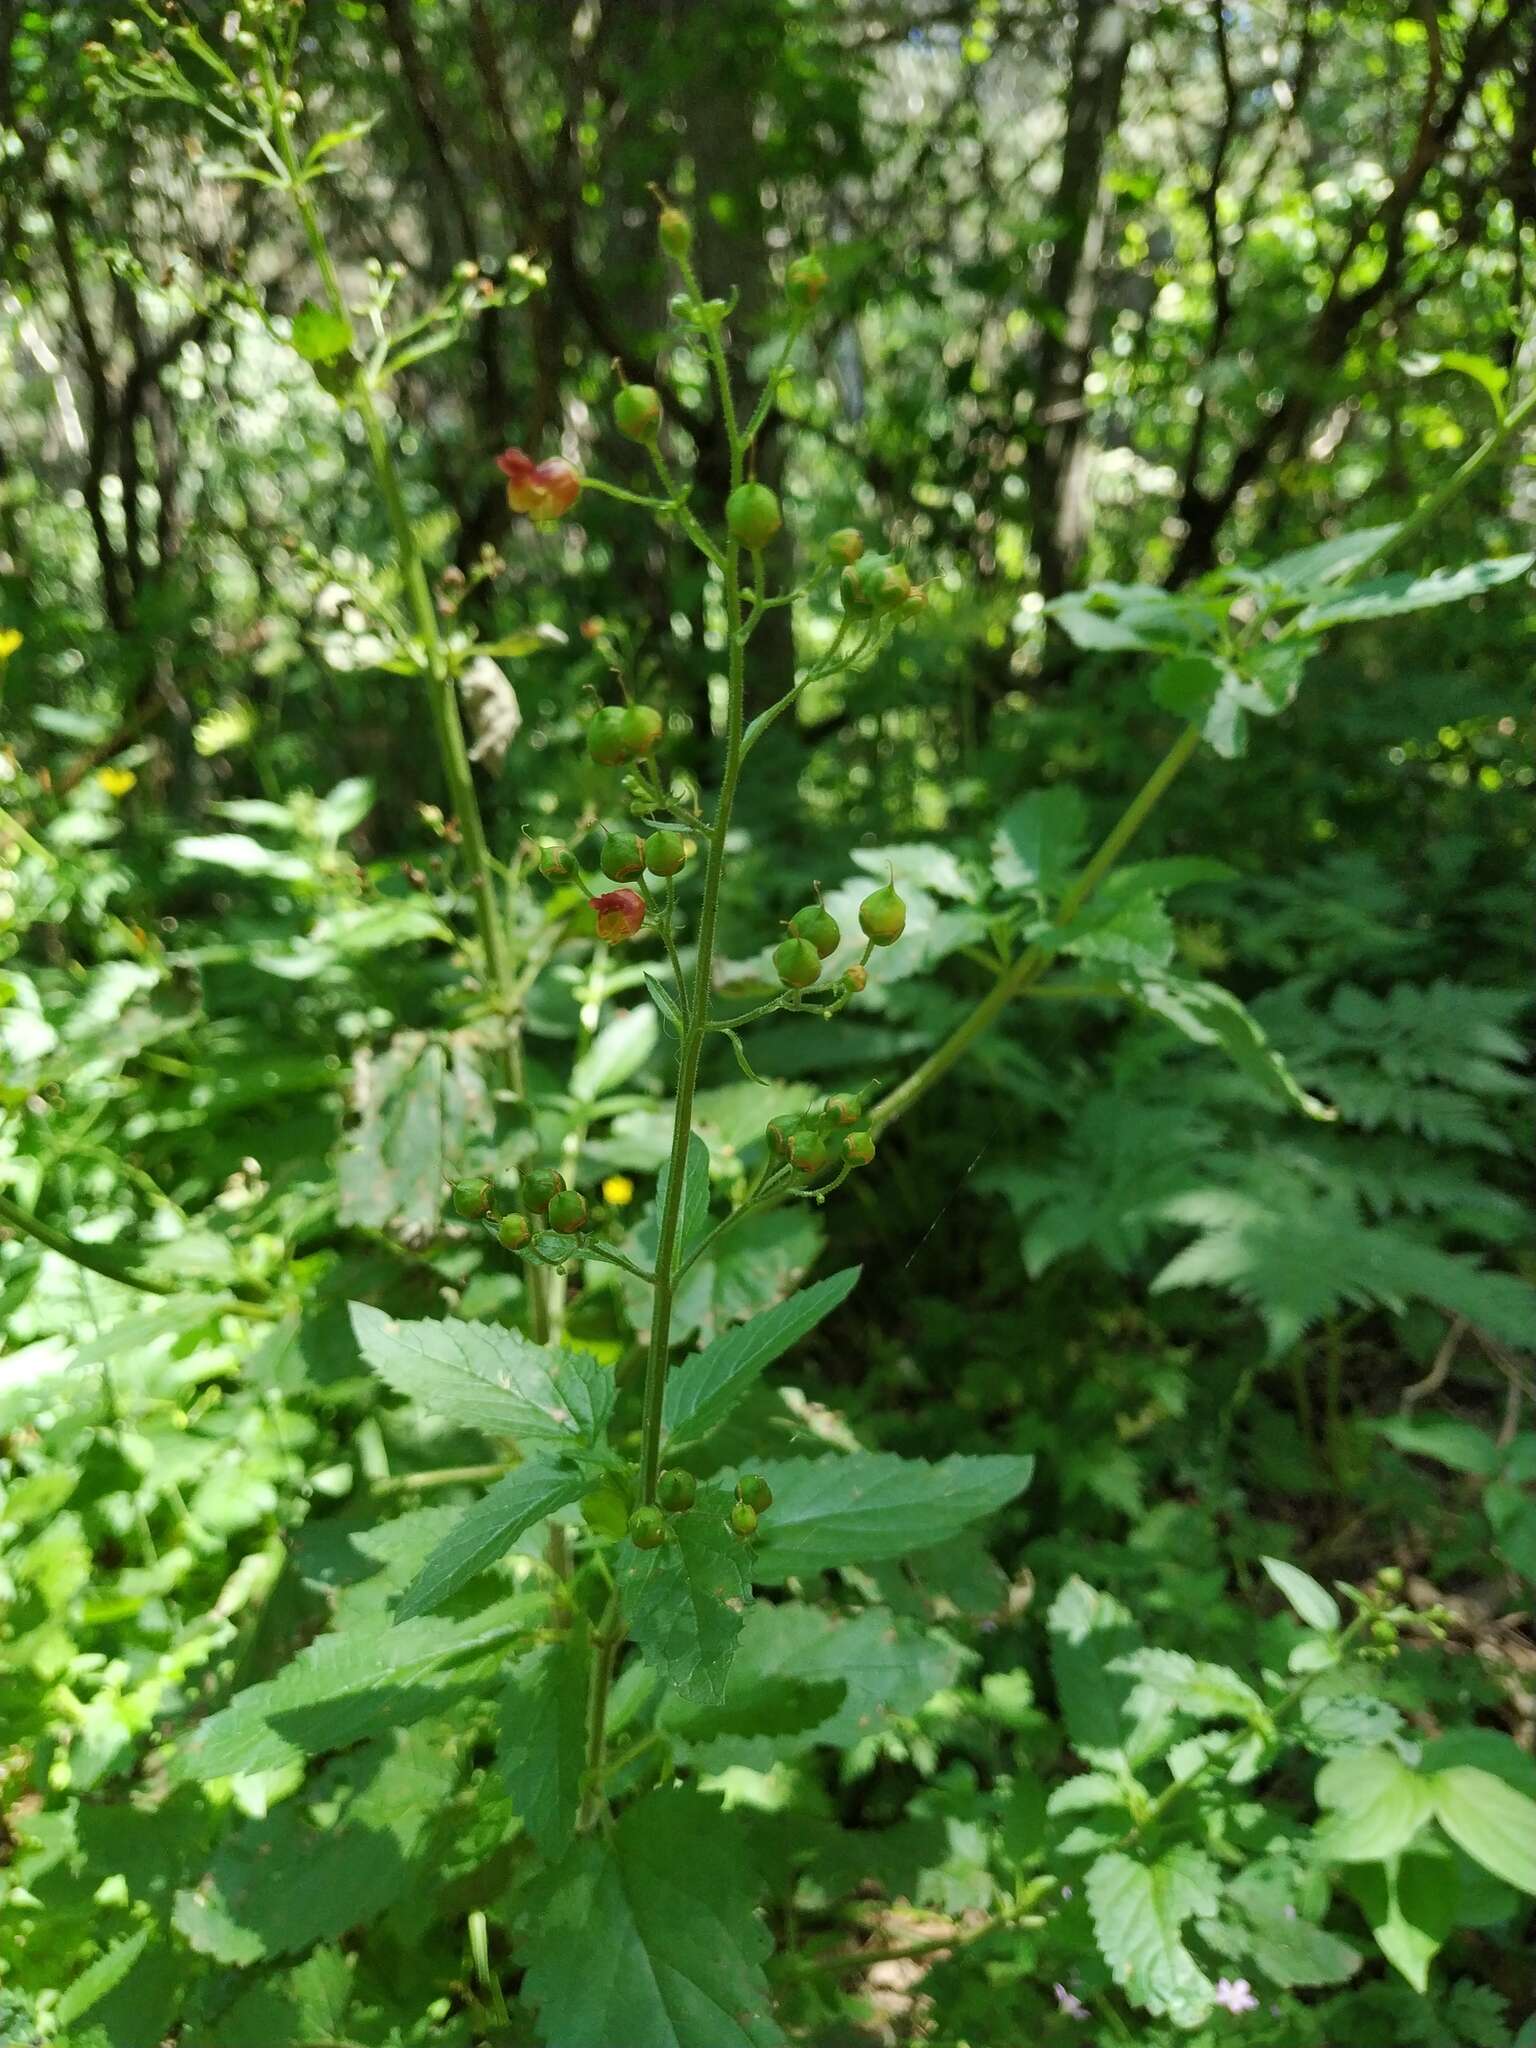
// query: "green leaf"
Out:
[1491,1821]
[317,1867]
[1038,839]
[1313,1603]
[1090,1632]
[1326,562]
[298,2008]
[666,1003]
[685,1601]
[619,1051]
[488,1378]
[100,1978]
[1204,1692]
[1210,1015]
[804,1678]
[704,1389]
[243,855]
[694,1214]
[421,1105]
[1138,1911]
[1186,685]
[1394,595]
[319,335]
[649,1938]
[1376,1806]
[343,1688]
[488,1530]
[1410,1903]
[1463,1446]
[542,1750]
[855,1509]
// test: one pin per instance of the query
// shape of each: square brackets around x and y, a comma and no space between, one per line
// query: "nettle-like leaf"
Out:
[542,1747]
[488,1530]
[1139,1911]
[1090,1631]
[484,1377]
[317,1867]
[1391,596]
[1039,839]
[345,1687]
[298,2008]
[704,1389]
[422,1107]
[869,1505]
[1203,1692]
[649,1936]
[802,1678]
[1376,1805]
[685,1602]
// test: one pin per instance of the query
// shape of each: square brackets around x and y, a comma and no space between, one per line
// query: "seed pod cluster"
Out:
[835,1135]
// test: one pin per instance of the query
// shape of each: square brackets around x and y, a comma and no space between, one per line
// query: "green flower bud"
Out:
[637,412]
[647,1529]
[818,927]
[540,1185]
[622,856]
[804,282]
[796,963]
[471,1197]
[676,1491]
[846,545]
[674,231]
[514,1231]
[858,1148]
[780,1135]
[883,916]
[642,726]
[665,853]
[568,1212]
[1390,1578]
[752,1488]
[844,1109]
[752,514]
[856,978]
[743,1520]
[809,1152]
[557,863]
[606,741]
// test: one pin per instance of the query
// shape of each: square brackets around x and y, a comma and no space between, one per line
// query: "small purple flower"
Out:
[1071,2005]
[1236,1994]
[1066,1891]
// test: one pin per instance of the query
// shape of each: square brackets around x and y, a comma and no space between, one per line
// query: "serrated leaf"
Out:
[1491,1821]
[315,1868]
[542,1750]
[343,1688]
[1138,1913]
[702,1391]
[489,1378]
[1392,596]
[854,1510]
[100,1978]
[649,1937]
[304,2007]
[1038,839]
[1089,1632]
[488,1530]
[881,1667]
[1204,1692]
[1312,1603]
[1376,1806]
[1326,561]
[685,1602]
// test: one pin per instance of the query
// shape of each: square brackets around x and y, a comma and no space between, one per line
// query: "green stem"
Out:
[95,1260]
[605,1650]
[695,1031]
[1032,963]
[442,699]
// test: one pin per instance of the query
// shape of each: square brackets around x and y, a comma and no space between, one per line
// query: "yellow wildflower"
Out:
[10,640]
[618,1191]
[115,781]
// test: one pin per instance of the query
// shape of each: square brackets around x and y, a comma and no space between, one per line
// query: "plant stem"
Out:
[438,668]
[1032,963]
[695,1031]
[90,1256]
[605,1650]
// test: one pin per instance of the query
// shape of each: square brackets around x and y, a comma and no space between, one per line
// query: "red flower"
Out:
[544,490]
[620,914]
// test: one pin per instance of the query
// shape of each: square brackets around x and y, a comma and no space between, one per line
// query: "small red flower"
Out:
[620,914]
[544,490]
